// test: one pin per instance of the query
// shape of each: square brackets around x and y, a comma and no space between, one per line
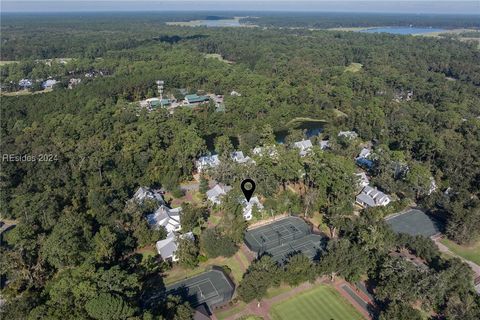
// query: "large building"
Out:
[196,99]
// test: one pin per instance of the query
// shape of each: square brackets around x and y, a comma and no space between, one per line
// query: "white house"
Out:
[324,144]
[363,180]
[25,83]
[235,94]
[206,162]
[216,193]
[271,151]
[166,217]
[372,197]
[248,207]
[433,186]
[305,146]
[143,193]
[364,153]
[238,157]
[168,247]
[49,83]
[348,134]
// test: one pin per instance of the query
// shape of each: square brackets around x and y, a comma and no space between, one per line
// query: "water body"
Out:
[220,23]
[209,23]
[402,30]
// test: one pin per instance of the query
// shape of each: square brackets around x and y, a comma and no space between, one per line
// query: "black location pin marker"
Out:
[248,187]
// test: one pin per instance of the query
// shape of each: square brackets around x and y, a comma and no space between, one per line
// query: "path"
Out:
[341,286]
[263,310]
[443,248]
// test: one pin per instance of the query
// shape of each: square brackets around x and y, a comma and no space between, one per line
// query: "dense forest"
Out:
[337,20]
[74,249]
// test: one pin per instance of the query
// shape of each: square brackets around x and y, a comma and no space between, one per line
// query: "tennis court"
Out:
[275,234]
[212,288]
[414,222]
[312,246]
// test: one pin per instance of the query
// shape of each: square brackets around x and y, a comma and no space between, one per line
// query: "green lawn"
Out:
[178,273]
[354,67]
[224,314]
[471,252]
[321,303]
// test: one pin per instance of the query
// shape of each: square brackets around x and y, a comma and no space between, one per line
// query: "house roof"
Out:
[365,152]
[376,195]
[217,191]
[167,247]
[165,216]
[143,193]
[194,98]
[253,201]
[211,161]
[324,144]
[364,198]
[348,134]
[364,162]
[239,157]
[304,144]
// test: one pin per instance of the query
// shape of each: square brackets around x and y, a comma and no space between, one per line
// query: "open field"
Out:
[321,303]
[218,57]
[354,67]
[179,273]
[299,120]
[230,312]
[471,252]
[24,93]
[2,63]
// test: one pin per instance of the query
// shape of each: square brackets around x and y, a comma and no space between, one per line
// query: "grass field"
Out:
[178,273]
[321,303]
[354,67]
[224,314]
[218,57]
[471,252]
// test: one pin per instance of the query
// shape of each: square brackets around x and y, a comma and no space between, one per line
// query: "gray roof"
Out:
[304,144]
[165,216]
[143,193]
[217,191]
[365,152]
[365,199]
[324,144]
[167,247]
[414,222]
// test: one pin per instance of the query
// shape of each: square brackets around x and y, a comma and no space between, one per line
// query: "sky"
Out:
[386,6]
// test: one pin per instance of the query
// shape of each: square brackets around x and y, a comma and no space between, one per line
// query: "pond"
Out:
[220,23]
[402,30]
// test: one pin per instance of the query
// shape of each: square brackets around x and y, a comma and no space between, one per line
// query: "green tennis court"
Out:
[276,233]
[321,303]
